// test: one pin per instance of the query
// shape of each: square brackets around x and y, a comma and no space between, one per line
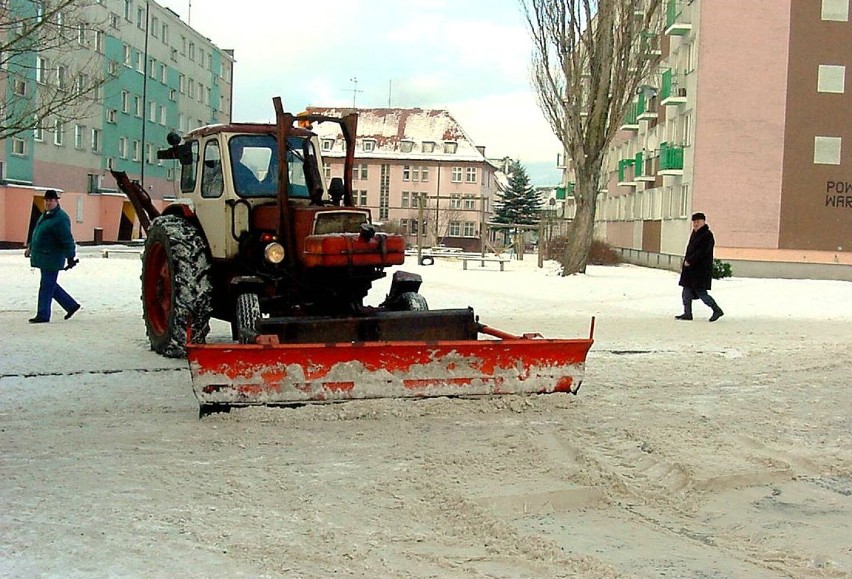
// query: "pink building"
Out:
[748,120]
[416,166]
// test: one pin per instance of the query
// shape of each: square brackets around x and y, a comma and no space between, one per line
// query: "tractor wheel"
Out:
[411,302]
[248,318]
[176,288]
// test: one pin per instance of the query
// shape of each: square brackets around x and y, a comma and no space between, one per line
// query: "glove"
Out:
[72,261]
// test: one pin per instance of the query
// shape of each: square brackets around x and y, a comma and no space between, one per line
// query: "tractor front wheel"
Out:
[248,318]
[176,288]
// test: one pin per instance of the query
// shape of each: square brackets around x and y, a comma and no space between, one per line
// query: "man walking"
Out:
[696,274]
[51,246]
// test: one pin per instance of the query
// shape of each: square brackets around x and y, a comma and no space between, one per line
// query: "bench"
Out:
[120,251]
[500,260]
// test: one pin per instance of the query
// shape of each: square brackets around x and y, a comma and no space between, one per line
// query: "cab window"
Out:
[212,184]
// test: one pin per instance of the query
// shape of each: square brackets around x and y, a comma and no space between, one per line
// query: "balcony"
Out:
[677,24]
[650,46]
[630,123]
[646,107]
[671,93]
[644,169]
[626,173]
[671,160]
[565,192]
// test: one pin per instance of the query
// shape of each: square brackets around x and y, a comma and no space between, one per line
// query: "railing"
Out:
[671,157]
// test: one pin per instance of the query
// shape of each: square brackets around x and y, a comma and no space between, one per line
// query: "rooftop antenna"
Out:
[189,12]
[355,90]
[390,91]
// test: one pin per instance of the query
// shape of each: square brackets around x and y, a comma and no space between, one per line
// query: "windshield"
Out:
[254,164]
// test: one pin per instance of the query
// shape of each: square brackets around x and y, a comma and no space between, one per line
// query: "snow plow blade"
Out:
[269,373]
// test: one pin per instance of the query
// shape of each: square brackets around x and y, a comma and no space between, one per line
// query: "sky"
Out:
[471,57]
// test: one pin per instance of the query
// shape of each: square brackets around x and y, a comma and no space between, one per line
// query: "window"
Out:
[450,147]
[455,201]
[360,198]
[138,106]
[368,145]
[128,56]
[152,111]
[82,36]
[19,147]
[470,175]
[415,173]
[428,147]
[122,147]
[150,155]
[38,132]
[111,115]
[406,200]
[165,36]
[469,202]
[140,17]
[128,10]
[162,115]
[78,136]
[359,171]
[134,150]
[164,77]
[327,144]
[424,174]
[125,101]
[457,175]
[469,229]
[96,140]
[406,146]
[455,229]
[140,62]
[831,78]
[155,27]
[58,133]
[100,39]
[406,173]
[212,182]
[685,200]
[827,150]
[192,51]
[114,20]
[835,10]
[19,87]
[41,70]
[326,170]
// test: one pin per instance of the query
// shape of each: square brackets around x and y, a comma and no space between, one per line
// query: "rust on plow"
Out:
[257,374]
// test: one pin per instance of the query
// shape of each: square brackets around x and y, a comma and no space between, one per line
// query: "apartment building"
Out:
[416,168]
[747,118]
[162,76]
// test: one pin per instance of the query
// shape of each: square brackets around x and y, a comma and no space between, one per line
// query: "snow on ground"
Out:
[692,450]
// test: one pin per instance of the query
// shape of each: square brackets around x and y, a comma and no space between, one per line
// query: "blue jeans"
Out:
[690,294]
[50,290]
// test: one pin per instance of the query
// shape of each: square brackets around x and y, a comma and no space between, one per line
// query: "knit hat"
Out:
[51,194]
[697,216]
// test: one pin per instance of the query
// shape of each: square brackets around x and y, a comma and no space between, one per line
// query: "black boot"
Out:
[717,313]
[684,317]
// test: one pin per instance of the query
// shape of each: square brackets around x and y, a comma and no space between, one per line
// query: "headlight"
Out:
[274,253]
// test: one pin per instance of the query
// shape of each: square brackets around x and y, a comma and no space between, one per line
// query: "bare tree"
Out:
[51,59]
[589,61]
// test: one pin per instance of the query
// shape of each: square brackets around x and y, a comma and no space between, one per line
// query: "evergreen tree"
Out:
[519,202]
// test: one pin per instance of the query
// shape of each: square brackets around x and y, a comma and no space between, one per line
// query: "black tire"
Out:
[176,289]
[411,302]
[248,318]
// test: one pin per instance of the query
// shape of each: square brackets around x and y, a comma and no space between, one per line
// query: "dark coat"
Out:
[699,253]
[52,243]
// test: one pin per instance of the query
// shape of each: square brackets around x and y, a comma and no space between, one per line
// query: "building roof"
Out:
[402,134]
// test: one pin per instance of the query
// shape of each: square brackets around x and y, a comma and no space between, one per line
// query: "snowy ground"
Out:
[692,450]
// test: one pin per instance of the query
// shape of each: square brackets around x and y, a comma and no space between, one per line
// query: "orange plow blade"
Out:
[272,373]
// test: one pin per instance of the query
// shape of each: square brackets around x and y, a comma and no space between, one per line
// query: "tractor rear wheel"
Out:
[248,318]
[176,288]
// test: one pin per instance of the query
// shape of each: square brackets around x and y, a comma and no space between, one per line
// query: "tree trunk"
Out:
[582,230]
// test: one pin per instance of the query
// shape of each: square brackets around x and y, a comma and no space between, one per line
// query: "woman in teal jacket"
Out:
[52,245]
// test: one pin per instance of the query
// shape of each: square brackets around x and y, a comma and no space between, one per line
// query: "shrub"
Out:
[600,253]
[721,269]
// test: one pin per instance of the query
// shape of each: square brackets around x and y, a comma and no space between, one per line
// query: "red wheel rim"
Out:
[158,288]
